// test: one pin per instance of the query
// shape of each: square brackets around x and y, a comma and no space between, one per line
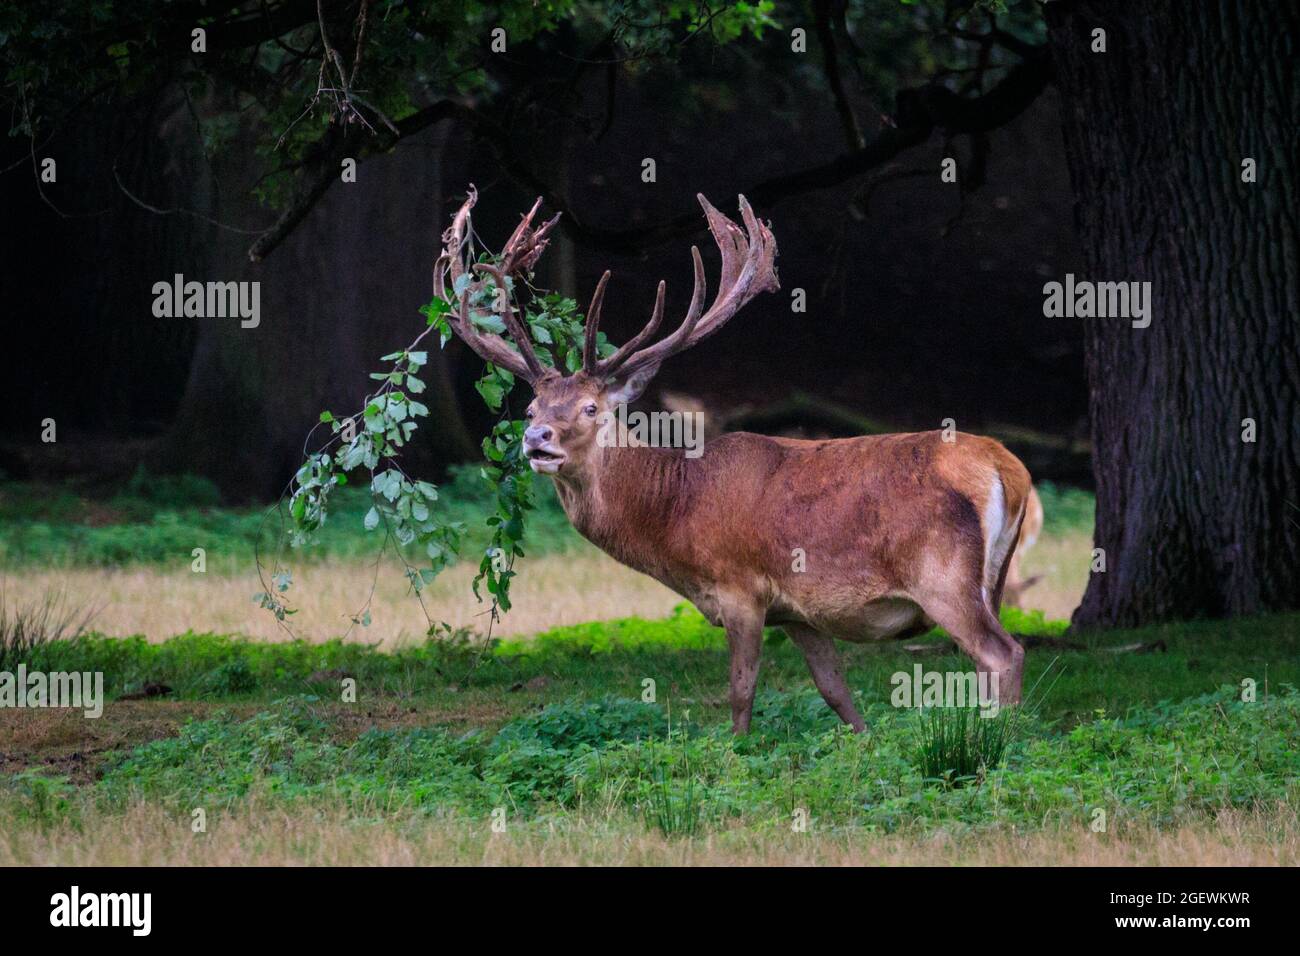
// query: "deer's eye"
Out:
[529,414]
[590,410]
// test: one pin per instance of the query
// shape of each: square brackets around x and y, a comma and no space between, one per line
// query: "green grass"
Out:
[160,519]
[684,653]
[1153,739]
[959,745]
[1158,765]
[1066,509]
[556,728]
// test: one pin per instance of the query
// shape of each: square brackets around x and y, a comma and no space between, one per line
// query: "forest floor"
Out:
[593,728]
[608,742]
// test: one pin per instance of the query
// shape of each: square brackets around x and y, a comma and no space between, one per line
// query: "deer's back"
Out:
[824,526]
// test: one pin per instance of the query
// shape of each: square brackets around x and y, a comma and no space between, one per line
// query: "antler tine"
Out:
[525,247]
[490,348]
[521,230]
[520,253]
[537,243]
[609,366]
[748,268]
[663,348]
[731,243]
[510,315]
[589,356]
[748,264]
[452,239]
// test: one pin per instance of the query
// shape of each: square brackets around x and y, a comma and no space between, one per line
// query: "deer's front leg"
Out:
[745,638]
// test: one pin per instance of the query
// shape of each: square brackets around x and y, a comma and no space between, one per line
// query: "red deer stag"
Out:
[857,538]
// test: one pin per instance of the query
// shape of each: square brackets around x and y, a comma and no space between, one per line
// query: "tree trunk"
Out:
[97,360]
[1194,519]
[342,291]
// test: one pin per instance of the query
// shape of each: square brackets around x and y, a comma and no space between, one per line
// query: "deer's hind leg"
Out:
[824,663]
[978,632]
[964,601]
[963,587]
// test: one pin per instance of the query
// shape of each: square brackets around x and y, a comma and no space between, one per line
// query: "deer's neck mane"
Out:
[632,501]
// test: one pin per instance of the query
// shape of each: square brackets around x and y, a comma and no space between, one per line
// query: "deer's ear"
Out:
[625,390]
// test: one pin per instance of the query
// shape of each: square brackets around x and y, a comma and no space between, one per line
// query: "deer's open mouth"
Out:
[546,461]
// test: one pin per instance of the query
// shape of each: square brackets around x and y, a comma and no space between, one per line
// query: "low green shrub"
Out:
[1158,765]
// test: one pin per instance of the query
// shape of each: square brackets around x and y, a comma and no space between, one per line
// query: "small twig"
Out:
[181,212]
[36,167]
[361,42]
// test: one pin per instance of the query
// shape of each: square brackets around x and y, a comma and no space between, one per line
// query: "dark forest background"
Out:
[924,297]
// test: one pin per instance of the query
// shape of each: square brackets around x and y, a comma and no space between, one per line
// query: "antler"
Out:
[519,254]
[748,268]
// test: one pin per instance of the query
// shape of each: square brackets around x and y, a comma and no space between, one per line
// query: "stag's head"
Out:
[567,411]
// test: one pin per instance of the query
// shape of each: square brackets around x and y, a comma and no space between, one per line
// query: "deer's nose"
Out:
[537,434]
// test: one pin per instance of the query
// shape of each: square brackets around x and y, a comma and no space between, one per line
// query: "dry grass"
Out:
[548,592]
[312,836]
[1063,561]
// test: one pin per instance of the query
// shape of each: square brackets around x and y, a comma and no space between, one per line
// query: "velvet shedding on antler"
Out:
[748,268]
[519,255]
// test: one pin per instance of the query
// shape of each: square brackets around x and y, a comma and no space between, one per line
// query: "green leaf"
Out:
[435,309]
[372,519]
[488,322]
[492,392]
[387,483]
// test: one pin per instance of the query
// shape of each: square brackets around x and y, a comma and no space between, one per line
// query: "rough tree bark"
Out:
[1194,521]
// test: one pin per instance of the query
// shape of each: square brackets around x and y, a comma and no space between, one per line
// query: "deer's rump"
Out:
[859,537]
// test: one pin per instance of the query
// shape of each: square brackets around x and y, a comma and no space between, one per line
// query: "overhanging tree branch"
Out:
[831,70]
[322,168]
[920,112]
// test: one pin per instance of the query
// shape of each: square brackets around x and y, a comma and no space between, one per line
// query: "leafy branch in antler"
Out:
[481,298]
